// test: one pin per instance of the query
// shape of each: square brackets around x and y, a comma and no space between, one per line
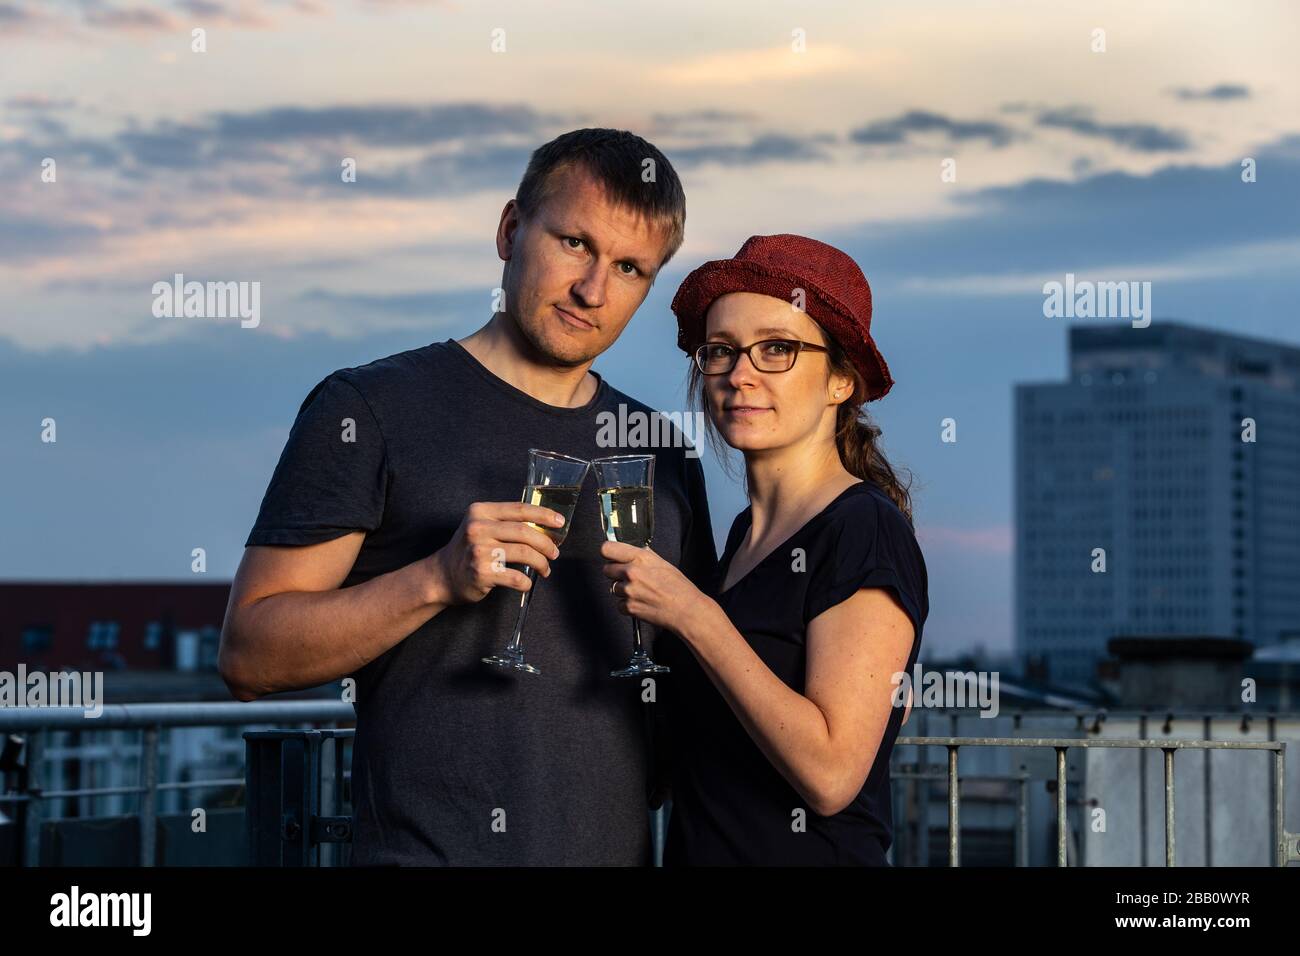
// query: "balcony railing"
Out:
[1286,844]
[150,719]
[296,779]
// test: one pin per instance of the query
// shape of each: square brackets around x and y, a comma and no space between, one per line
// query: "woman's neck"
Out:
[786,488]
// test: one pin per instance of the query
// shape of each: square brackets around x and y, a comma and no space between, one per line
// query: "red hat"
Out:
[837,296]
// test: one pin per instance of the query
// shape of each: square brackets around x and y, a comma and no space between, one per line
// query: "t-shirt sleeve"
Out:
[871,546]
[332,477]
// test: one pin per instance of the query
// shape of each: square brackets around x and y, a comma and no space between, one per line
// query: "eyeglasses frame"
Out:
[747,350]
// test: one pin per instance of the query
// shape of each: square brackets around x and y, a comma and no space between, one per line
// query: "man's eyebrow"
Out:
[645,268]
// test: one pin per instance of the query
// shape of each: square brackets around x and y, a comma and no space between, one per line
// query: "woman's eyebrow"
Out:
[784,333]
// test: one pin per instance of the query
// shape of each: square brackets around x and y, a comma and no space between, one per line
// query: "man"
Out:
[376,551]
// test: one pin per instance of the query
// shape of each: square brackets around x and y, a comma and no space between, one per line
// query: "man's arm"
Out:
[289,626]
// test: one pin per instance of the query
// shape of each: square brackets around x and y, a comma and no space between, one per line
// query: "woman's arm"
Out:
[823,741]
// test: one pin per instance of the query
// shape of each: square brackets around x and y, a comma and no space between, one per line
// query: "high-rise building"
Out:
[1170,458]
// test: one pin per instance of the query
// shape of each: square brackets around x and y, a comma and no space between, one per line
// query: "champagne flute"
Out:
[625,484]
[554,481]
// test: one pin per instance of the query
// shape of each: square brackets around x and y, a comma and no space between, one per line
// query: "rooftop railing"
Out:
[150,719]
[293,806]
[1286,844]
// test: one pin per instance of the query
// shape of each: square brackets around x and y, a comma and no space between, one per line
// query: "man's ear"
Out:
[507,230]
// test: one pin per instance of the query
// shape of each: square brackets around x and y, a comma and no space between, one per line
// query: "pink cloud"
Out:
[993,540]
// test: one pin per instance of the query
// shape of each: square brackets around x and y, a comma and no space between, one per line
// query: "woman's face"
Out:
[755,410]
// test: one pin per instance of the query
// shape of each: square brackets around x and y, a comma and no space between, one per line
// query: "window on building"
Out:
[103,635]
[37,638]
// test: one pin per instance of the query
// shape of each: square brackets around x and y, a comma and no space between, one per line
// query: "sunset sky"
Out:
[1121,165]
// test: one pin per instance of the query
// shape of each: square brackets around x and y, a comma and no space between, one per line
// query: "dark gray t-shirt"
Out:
[449,749]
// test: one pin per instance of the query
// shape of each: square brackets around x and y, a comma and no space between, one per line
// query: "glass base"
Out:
[640,664]
[507,659]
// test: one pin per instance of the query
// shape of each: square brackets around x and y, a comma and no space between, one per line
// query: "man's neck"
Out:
[506,353]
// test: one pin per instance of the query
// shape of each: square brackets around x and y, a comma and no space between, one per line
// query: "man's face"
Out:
[577,268]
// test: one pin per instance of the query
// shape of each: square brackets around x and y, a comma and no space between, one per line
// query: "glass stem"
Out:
[636,637]
[516,642]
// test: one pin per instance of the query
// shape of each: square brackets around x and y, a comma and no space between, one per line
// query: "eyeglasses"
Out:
[774,355]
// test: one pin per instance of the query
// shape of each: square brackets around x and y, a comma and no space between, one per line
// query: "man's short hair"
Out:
[615,159]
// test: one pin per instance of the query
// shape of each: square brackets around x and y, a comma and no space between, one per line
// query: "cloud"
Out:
[168,144]
[424,303]
[25,153]
[1022,106]
[39,101]
[380,124]
[217,12]
[235,136]
[131,19]
[900,128]
[1142,137]
[1223,91]
[691,120]
[436,173]
[462,148]
[1279,257]
[23,18]
[1179,223]
[993,540]
[770,147]
[781,64]
[82,19]
[27,238]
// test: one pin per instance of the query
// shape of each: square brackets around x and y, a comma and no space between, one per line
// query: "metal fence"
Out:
[290,797]
[1286,844]
[35,723]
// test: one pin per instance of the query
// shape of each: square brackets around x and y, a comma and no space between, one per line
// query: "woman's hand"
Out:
[648,587]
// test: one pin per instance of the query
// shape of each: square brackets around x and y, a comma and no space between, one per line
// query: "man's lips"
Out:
[574,320]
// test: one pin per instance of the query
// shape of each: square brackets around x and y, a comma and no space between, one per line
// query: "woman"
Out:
[784,699]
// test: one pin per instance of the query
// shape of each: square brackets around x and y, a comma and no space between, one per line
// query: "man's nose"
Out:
[590,289]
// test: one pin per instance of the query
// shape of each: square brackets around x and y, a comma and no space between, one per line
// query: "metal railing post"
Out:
[954,809]
[149,795]
[1022,821]
[1279,807]
[31,835]
[1062,821]
[1169,805]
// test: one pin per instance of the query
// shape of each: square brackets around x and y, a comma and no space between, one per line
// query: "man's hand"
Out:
[492,534]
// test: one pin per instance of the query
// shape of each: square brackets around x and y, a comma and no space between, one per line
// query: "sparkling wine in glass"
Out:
[625,485]
[554,481]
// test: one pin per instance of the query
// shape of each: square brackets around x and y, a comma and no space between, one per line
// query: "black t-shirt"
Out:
[448,749]
[730,805]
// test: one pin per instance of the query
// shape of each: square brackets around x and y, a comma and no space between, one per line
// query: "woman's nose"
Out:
[743,371]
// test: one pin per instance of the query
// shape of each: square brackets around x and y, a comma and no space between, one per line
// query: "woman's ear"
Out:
[841,388]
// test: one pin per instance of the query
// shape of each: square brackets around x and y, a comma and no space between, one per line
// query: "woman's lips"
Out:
[746,411]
